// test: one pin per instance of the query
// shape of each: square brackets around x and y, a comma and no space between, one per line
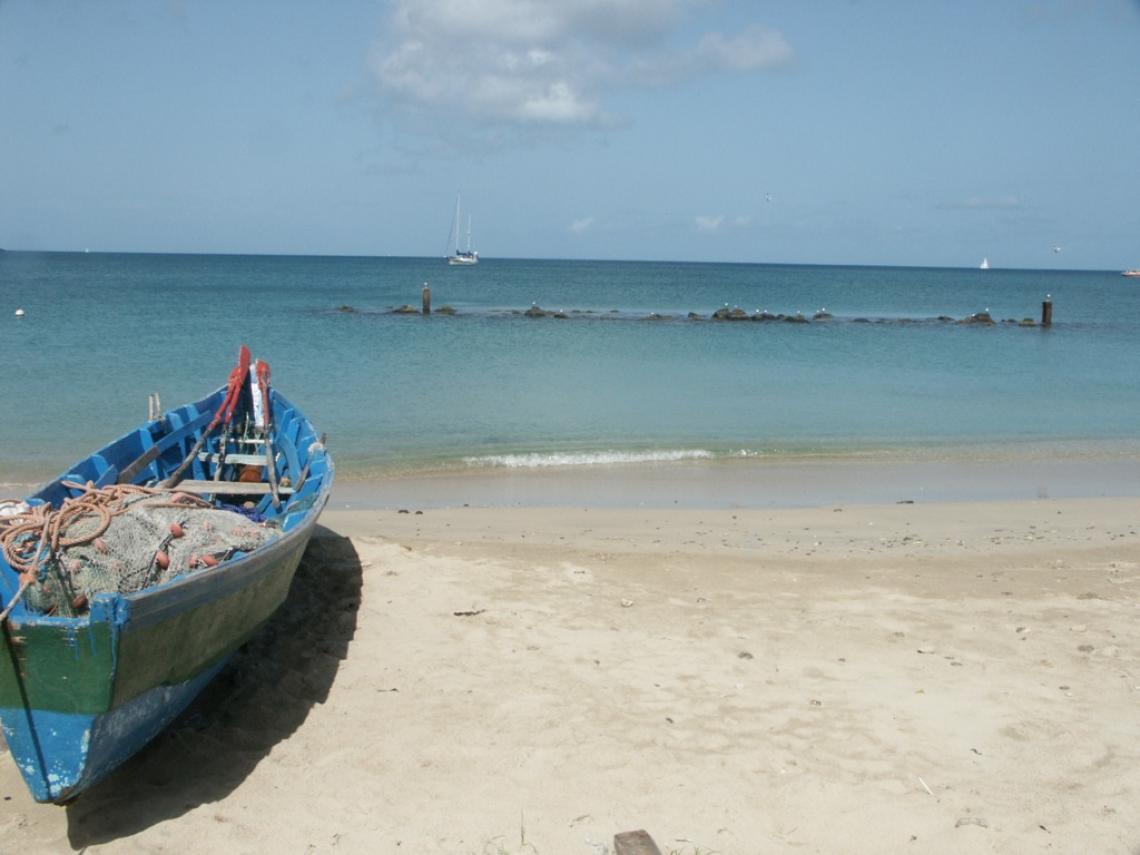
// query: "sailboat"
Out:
[985,265]
[461,257]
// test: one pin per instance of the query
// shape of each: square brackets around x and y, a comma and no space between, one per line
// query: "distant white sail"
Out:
[460,257]
[985,265]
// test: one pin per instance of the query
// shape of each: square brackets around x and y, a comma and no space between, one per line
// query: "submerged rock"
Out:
[797,318]
[983,318]
[822,315]
[726,314]
[693,316]
[405,310]
[535,312]
[445,310]
[346,309]
[1027,322]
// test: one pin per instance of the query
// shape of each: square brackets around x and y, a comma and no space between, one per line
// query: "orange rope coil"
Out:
[25,536]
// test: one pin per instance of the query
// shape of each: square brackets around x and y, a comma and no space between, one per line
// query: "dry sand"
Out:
[956,677]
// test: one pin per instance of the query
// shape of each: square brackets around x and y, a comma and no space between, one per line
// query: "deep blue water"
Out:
[101,331]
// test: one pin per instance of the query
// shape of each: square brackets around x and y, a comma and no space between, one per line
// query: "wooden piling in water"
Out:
[1047,311]
[427,299]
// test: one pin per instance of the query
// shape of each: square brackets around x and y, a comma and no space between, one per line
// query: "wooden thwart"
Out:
[229,488]
[235,457]
[635,843]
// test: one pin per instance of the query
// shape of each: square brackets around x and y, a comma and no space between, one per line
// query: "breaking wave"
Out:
[586,458]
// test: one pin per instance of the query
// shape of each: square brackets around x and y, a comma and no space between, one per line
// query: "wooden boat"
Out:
[80,694]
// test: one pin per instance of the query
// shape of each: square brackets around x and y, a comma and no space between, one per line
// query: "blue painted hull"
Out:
[72,751]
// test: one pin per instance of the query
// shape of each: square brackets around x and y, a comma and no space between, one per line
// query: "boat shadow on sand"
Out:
[258,701]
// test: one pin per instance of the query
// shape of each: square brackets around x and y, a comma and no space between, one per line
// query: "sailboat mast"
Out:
[457,224]
[458,256]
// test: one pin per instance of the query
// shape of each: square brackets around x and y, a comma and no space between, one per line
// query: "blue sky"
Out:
[924,133]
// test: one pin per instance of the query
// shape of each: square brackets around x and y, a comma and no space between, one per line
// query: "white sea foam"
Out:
[586,458]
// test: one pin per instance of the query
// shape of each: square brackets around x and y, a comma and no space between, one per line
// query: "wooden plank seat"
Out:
[229,488]
[235,457]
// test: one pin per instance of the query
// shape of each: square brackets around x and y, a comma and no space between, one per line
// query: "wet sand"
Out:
[1033,471]
[930,677]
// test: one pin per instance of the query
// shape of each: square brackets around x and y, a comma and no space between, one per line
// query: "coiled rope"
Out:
[32,538]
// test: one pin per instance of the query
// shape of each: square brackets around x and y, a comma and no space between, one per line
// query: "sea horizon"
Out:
[560,259]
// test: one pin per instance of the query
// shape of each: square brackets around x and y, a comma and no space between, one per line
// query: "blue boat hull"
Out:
[72,751]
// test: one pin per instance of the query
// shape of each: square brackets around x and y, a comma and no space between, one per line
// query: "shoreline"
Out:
[745,483]
[757,482]
[726,477]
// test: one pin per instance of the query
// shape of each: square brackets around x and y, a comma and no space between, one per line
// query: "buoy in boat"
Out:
[250,475]
[19,313]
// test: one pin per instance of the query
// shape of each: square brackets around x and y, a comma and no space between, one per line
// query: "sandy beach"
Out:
[926,677]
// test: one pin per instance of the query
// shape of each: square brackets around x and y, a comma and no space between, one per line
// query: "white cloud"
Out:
[579,226]
[742,221]
[549,62]
[559,103]
[709,224]
[755,48]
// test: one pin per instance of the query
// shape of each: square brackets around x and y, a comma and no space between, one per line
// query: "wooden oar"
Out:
[132,469]
[222,443]
[139,464]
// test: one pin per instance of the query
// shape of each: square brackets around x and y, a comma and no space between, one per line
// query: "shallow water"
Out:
[489,387]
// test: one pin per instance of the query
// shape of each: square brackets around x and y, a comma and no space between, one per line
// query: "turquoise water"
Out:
[491,388]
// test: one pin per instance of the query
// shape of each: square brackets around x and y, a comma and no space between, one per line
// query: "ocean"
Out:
[489,388]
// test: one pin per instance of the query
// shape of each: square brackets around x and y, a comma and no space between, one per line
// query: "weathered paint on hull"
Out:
[64,753]
[138,662]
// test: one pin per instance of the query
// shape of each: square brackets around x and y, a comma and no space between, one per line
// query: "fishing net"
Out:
[119,540]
